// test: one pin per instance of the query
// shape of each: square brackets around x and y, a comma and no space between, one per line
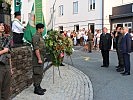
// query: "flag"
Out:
[36,16]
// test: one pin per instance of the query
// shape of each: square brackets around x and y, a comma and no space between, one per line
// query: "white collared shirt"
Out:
[17,27]
[125,34]
[132,35]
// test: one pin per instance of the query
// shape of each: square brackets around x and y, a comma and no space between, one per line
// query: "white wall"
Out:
[26,9]
[68,20]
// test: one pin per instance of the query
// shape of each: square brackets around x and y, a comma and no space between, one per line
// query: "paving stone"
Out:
[73,85]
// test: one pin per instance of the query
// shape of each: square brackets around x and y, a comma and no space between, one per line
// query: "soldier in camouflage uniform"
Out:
[38,59]
[90,41]
[5,70]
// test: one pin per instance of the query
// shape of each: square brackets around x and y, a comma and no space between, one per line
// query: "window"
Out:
[75,7]
[61,10]
[91,4]
[128,24]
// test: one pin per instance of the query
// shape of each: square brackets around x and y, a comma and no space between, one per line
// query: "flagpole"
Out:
[53,15]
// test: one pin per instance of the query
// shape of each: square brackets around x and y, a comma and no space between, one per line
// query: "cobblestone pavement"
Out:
[72,85]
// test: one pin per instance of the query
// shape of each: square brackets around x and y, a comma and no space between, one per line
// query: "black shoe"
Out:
[90,52]
[125,73]
[103,66]
[38,91]
[117,66]
[120,69]
[107,66]
[62,64]
[44,90]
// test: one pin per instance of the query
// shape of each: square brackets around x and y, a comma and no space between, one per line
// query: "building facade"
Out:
[122,16]
[78,14]
[71,14]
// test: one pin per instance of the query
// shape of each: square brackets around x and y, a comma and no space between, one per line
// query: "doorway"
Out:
[91,26]
[76,28]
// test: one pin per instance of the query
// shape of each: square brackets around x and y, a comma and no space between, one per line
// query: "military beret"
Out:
[18,13]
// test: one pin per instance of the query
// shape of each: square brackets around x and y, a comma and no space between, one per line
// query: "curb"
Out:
[88,79]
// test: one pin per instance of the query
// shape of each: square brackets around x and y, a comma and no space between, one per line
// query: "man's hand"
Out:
[39,61]
[4,51]
[11,71]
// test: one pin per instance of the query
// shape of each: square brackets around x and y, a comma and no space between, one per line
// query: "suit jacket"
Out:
[105,41]
[119,42]
[126,43]
[117,39]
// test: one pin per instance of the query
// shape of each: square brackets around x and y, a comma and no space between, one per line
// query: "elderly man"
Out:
[126,49]
[105,46]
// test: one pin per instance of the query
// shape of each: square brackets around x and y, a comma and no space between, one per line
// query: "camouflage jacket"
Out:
[38,44]
[3,42]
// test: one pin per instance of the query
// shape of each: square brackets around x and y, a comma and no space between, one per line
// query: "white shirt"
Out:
[85,37]
[82,33]
[125,34]
[17,27]
[78,36]
[132,35]
[69,34]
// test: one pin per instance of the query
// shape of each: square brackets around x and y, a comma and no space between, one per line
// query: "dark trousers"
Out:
[18,38]
[5,81]
[120,58]
[37,75]
[105,55]
[90,44]
[127,62]
[132,45]
[78,41]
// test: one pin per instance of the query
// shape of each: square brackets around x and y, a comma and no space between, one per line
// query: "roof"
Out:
[121,16]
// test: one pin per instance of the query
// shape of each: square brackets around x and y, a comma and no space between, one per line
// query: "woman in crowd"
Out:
[85,38]
[78,38]
[98,39]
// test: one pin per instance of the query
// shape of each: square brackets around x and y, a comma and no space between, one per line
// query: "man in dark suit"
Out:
[105,46]
[118,37]
[126,49]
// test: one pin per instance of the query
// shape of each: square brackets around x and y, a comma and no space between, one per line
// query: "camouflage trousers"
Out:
[5,82]
[37,75]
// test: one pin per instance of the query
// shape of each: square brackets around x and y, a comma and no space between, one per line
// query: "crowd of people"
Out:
[85,38]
